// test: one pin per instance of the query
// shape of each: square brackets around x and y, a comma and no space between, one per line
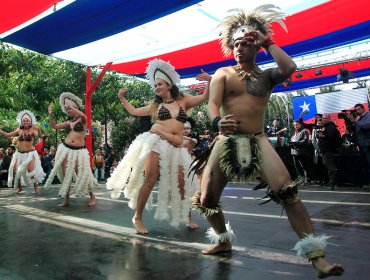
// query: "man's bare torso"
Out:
[245,99]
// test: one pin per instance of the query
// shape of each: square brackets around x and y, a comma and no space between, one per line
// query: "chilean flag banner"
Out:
[329,103]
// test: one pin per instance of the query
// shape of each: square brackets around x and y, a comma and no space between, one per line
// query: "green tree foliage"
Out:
[280,107]
[202,122]
[33,81]
[328,88]
[126,127]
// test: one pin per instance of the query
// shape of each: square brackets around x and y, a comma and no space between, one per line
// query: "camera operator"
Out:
[362,128]
[329,142]
[309,126]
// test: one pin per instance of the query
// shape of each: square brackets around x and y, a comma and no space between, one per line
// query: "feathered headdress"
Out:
[158,68]
[70,96]
[237,24]
[26,114]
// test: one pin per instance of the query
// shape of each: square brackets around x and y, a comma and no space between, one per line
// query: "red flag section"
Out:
[14,13]
[323,19]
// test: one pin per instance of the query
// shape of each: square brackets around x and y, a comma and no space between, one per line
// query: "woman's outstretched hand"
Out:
[204,76]
[122,92]
[50,109]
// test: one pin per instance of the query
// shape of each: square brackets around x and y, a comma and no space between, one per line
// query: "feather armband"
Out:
[214,123]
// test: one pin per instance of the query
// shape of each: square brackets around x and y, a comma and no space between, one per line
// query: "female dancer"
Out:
[72,160]
[157,156]
[25,168]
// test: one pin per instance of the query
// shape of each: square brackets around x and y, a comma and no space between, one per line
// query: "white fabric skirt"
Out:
[78,179]
[19,164]
[129,177]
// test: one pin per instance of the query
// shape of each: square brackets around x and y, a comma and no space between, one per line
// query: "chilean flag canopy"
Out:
[329,103]
[130,33]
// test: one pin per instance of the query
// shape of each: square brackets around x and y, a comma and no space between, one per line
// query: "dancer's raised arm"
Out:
[140,112]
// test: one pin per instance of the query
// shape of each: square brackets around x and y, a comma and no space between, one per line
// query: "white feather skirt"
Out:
[129,177]
[19,164]
[78,178]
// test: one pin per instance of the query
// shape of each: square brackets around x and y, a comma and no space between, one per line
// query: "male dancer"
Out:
[238,98]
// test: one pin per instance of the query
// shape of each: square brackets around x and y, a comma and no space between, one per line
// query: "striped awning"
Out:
[129,33]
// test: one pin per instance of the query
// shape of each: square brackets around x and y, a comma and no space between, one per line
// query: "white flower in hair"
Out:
[159,69]
[70,96]
[26,114]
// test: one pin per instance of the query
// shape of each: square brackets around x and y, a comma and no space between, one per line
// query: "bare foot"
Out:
[92,202]
[218,248]
[325,269]
[37,190]
[138,224]
[192,225]
[66,202]
[19,191]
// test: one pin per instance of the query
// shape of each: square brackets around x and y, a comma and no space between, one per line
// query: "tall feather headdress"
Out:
[26,114]
[240,22]
[71,96]
[158,68]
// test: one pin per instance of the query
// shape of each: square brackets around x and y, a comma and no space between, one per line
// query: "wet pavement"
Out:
[42,241]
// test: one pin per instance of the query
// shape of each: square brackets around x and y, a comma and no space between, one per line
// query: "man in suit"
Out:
[362,128]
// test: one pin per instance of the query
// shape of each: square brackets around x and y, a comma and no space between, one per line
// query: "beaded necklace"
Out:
[252,76]
[169,101]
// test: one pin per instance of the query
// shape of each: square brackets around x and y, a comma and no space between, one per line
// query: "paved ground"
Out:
[41,241]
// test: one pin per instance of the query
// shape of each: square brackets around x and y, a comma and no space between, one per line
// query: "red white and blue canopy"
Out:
[129,33]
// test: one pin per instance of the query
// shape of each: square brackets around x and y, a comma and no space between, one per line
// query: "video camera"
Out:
[345,113]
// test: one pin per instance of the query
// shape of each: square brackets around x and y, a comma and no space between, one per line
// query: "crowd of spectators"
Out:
[318,149]
[314,148]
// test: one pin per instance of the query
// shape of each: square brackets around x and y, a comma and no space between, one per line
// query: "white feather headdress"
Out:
[71,96]
[26,114]
[158,68]
[239,22]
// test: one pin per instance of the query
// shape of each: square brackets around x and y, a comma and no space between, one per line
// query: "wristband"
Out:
[214,123]
[268,42]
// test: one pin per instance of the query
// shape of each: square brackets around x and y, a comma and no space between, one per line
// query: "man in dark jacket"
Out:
[298,144]
[4,167]
[329,142]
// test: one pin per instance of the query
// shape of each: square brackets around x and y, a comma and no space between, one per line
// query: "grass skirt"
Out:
[129,177]
[79,179]
[20,161]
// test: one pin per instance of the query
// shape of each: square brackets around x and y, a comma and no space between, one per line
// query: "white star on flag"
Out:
[305,106]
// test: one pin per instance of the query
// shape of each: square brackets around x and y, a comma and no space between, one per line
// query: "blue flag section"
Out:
[305,104]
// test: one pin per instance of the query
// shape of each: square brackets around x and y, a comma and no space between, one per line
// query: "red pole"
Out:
[88,113]
[88,108]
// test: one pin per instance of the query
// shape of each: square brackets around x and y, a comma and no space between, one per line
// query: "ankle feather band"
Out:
[222,237]
[201,210]
[312,247]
